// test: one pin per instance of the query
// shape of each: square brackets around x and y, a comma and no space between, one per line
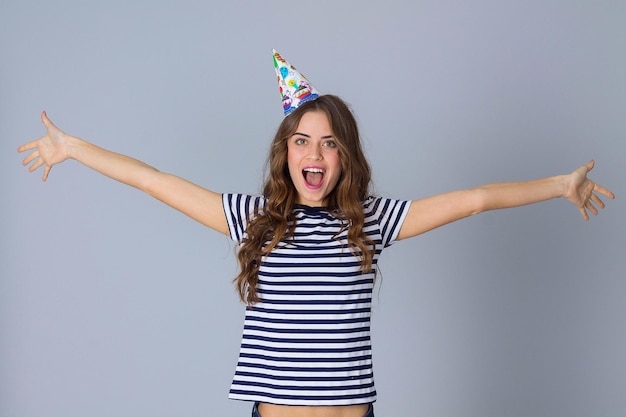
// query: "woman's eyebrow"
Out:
[309,136]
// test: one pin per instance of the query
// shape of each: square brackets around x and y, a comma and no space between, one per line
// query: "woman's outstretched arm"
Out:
[56,146]
[431,212]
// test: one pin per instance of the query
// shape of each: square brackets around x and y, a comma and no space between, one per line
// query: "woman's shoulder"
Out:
[243,204]
[383,206]
[375,200]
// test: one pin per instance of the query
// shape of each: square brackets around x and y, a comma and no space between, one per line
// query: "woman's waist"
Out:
[274,410]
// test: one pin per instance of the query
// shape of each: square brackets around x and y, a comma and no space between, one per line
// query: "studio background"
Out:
[112,304]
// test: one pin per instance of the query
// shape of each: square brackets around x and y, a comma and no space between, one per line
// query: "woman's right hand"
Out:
[202,205]
[48,150]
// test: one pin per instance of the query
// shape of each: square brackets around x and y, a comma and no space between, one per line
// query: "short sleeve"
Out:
[389,214]
[239,210]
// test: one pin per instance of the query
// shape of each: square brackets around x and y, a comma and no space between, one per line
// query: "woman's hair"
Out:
[276,222]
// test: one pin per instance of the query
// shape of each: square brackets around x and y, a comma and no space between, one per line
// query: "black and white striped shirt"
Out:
[307,341]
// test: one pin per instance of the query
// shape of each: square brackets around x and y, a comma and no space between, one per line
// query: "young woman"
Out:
[309,246]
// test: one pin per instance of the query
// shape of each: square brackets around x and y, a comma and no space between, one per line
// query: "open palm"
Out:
[48,150]
[584,193]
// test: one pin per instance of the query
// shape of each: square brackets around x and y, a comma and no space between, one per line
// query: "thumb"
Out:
[46,121]
[44,118]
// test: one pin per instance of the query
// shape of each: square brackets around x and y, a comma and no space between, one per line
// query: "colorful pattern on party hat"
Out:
[294,88]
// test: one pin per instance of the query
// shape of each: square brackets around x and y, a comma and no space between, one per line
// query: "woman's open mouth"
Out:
[313,177]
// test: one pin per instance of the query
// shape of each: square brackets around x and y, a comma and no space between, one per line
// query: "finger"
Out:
[604,191]
[46,121]
[583,212]
[590,165]
[591,208]
[46,171]
[36,165]
[28,146]
[597,200]
[29,158]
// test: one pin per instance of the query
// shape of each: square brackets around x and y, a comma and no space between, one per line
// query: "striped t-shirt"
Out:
[307,341]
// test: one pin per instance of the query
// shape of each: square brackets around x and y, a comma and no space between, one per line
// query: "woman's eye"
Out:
[330,144]
[300,141]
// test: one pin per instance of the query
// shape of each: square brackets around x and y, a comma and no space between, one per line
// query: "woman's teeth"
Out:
[313,176]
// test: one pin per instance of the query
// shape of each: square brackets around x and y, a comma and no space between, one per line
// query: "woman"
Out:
[309,246]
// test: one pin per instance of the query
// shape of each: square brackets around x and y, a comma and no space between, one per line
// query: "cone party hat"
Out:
[294,88]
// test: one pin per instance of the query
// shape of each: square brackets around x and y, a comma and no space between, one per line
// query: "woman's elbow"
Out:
[477,201]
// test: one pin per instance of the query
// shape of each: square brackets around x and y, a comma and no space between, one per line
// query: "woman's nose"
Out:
[315,153]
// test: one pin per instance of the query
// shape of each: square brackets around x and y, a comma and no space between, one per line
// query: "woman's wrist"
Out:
[73,147]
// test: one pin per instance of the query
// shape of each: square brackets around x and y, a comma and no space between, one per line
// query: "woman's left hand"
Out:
[583,192]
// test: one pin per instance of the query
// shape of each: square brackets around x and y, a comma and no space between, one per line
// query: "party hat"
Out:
[294,88]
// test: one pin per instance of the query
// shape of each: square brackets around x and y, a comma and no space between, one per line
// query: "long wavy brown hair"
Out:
[276,223]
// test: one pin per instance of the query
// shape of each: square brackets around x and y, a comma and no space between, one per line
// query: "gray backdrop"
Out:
[112,304]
